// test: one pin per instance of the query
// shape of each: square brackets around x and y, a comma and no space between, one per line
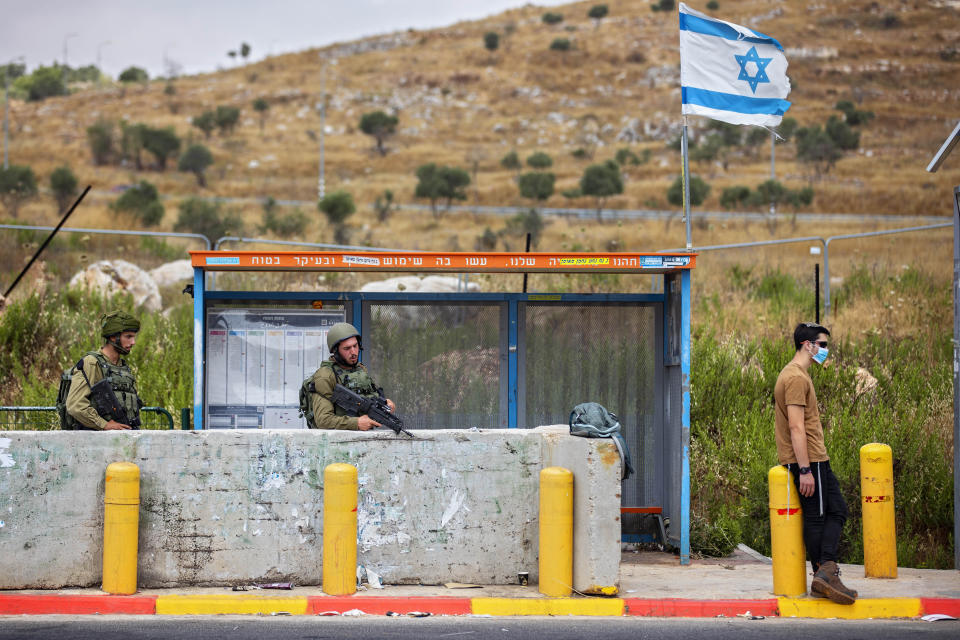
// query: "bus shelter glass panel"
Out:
[442,363]
[257,359]
[608,353]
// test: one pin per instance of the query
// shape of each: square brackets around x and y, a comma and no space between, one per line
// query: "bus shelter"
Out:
[469,360]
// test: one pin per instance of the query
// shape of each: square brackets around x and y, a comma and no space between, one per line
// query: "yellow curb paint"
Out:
[547,606]
[859,610]
[226,605]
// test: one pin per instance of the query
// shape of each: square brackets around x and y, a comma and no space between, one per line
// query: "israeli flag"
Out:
[729,72]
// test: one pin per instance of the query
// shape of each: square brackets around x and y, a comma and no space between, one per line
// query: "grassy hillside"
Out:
[459,104]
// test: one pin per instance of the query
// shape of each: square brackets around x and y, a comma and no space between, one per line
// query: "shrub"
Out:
[261,106]
[663,5]
[816,148]
[536,185]
[487,241]
[132,75]
[18,184]
[380,126]
[63,185]
[206,122]
[511,161]
[437,182]
[525,222]
[552,18]
[560,44]
[142,203]
[283,225]
[162,143]
[852,115]
[44,82]
[601,181]
[383,205]
[195,160]
[733,197]
[206,217]
[598,11]
[787,129]
[713,5]
[699,190]
[131,143]
[842,134]
[226,118]
[539,160]
[100,138]
[337,207]
[491,40]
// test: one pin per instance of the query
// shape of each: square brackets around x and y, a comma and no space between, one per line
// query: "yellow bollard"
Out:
[786,534]
[121,521]
[876,495]
[556,531]
[340,529]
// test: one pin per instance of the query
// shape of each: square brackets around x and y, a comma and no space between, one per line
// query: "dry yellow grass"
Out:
[457,102]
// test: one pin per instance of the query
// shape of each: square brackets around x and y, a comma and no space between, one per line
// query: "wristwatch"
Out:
[805,470]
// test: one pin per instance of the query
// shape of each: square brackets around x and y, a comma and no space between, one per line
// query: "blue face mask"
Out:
[821,355]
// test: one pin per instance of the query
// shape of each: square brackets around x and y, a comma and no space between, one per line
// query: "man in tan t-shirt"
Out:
[800,447]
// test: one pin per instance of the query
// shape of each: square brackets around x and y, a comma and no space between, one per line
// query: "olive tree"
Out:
[196,159]
[380,126]
[601,181]
[63,185]
[18,184]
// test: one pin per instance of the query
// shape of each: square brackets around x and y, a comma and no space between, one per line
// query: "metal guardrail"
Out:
[46,419]
[114,232]
[825,242]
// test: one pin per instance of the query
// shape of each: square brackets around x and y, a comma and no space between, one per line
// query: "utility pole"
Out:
[773,164]
[321,185]
[6,111]
[99,48]
[6,117]
[65,39]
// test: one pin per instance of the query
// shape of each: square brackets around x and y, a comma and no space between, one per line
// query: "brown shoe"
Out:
[826,583]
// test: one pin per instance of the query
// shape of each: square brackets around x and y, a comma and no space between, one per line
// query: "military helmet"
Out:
[340,332]
[116,322]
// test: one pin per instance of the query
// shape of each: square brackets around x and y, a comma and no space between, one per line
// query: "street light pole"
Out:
[6,117]
[99,49]
[6,112]
[321,178]
[65,39]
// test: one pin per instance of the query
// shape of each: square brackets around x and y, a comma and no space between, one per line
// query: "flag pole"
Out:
[686,182]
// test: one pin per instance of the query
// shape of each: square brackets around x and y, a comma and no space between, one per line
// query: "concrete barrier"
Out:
[224,507]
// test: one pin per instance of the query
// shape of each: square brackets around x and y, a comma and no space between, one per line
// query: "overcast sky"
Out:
[198,33]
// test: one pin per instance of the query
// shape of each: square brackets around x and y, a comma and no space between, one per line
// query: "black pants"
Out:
[824,513]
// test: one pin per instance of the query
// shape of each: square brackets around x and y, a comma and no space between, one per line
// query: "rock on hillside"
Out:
[109,276]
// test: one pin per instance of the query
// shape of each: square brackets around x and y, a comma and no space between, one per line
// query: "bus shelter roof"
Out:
[431,261]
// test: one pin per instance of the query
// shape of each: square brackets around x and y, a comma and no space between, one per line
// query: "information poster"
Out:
[257,359]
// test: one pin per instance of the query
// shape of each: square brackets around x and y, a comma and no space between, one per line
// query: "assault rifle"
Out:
[376,408]
[105,402]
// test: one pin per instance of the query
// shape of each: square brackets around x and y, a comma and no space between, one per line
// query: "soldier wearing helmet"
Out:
[344,368]
[119,330]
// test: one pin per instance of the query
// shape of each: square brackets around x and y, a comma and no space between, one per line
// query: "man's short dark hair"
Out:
[807,331]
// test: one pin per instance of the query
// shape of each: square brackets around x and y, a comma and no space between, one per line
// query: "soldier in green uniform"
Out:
[119,330]
[344,368]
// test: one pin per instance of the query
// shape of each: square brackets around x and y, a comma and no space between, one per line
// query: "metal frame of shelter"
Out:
[671,311]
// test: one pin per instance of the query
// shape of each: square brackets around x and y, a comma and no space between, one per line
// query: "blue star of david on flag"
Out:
[760,76]
[729,72]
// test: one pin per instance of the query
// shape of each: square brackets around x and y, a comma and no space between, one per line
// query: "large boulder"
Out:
[172,273]
[110,276]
